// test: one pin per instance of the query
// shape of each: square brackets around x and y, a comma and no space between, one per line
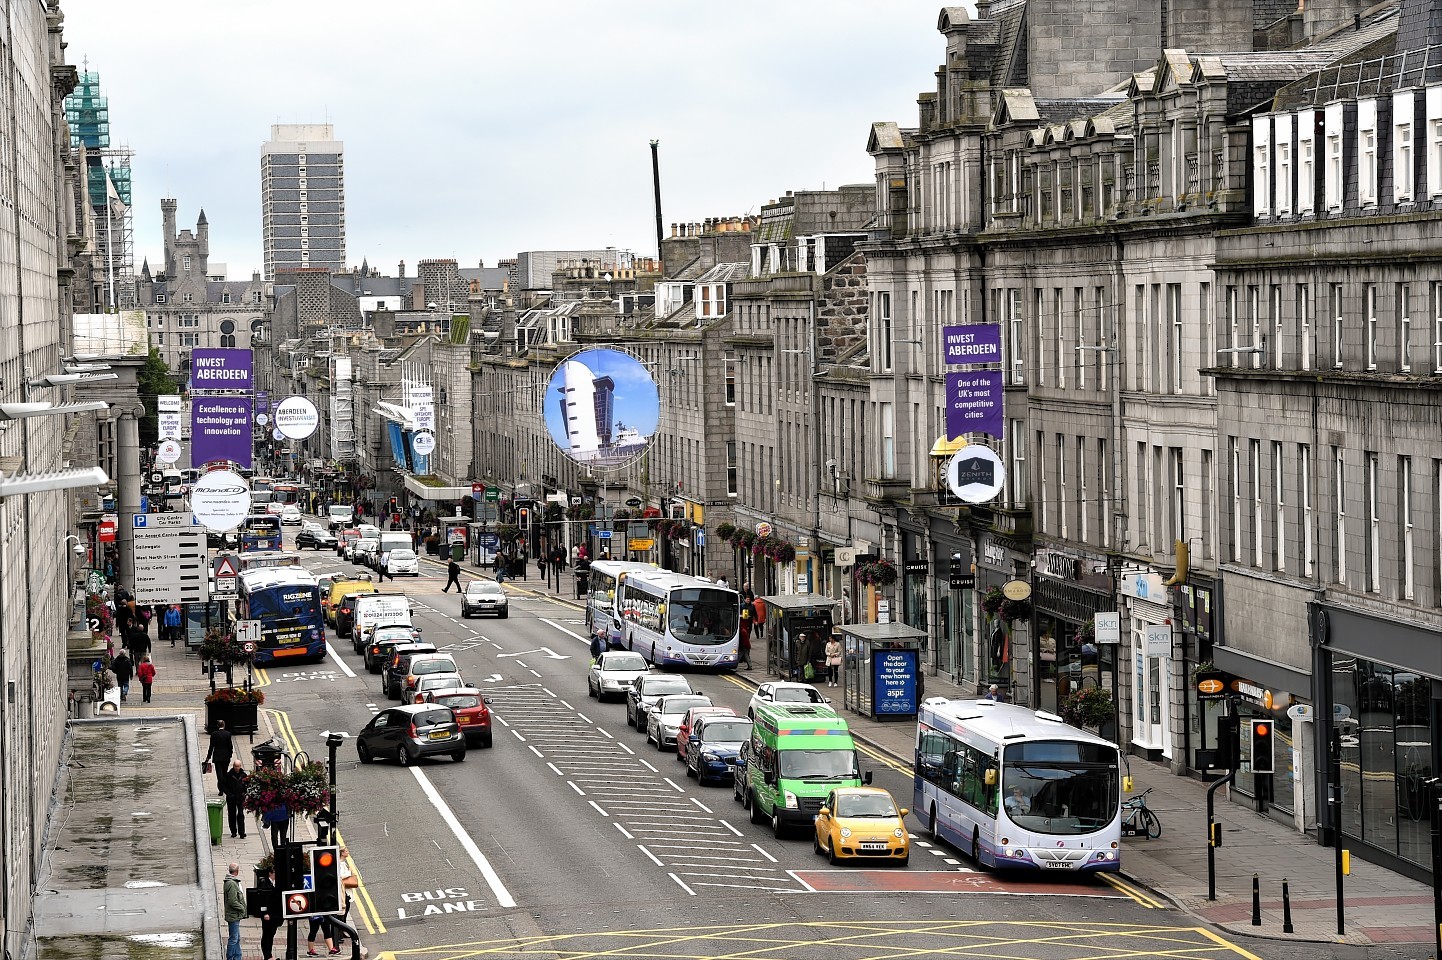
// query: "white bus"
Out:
[1016,788]
[683,621]
[603,613]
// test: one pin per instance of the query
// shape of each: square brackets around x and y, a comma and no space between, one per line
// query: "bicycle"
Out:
[1139,820]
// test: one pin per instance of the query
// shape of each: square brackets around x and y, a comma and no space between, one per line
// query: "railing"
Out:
[1410,68]
[1129,181]
[1194,175]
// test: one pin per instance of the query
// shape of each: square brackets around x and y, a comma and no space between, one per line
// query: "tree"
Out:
[154,381]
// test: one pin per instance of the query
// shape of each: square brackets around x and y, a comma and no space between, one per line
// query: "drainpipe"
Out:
[816,460]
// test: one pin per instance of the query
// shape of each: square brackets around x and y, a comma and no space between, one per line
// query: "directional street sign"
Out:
[170,559]
[247,631]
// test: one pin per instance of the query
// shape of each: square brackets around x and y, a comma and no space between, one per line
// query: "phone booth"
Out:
[797,628]
[881,674]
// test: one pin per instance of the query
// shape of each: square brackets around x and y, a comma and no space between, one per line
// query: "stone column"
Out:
[127,495]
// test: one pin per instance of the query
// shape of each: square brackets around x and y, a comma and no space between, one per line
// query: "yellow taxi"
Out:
[341,589]
[862,823]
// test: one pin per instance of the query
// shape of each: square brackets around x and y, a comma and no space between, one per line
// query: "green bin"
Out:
[458,551]
[216,809]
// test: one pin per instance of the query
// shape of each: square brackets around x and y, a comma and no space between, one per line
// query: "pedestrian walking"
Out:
[236,780]
[172,623]
[234,911]
[743,648]
[541,564]
[145,673]
[833,661]
[270,915]
[453,576]
[721,581]
[124,669]
[321,926]
[758,617]
[348,882]
[383,567]
[220,752]
[993,692]
[137,641]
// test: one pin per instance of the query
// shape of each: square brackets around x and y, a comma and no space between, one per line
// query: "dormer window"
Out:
[1367,153]
[1261,167]
[712,301]
[1403,154]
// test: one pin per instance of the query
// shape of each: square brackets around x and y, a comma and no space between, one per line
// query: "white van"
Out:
[340,515]
[377,609]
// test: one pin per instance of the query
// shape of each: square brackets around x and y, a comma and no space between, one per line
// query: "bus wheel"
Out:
[976,844]
[931,824]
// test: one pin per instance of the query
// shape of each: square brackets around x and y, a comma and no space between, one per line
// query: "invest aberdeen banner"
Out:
[217,369]
[220,430]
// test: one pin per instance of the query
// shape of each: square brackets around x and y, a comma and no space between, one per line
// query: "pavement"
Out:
[1381,907]
[131,818]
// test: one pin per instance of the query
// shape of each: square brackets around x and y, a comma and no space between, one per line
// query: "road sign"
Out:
[493,494]
[170,559]
[247,631]
[248,647]
[641,543]
[603,534]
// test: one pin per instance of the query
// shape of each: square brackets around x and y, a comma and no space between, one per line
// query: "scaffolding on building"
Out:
[108,188]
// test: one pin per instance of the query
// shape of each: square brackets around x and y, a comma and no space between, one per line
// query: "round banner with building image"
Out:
[601,408]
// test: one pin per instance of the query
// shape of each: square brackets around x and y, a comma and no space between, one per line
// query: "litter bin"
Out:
[267,754]
[216,809]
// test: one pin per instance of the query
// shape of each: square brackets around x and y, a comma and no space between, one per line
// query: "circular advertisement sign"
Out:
[602,408]
[423,442]
[296,418]
[262,418]
[277,435]
[168,451]
[975,474]
[220,500]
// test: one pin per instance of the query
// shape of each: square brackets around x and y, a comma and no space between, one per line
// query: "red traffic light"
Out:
[1261,729]
[325,859]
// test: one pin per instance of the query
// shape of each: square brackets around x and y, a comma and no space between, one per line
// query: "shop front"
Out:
[1071,589]
[1148,650]
[1007,659]
[1380,683]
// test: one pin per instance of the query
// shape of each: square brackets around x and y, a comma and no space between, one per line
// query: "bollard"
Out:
[1256,901]
[1286,909]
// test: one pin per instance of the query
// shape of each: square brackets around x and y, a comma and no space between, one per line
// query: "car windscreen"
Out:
[818,765]
[864,805]
[675,706]
[463,701]
[433,666]
[484,587]
[658,686]
[403,554]
[704,617]
[725,731]
[624,661]
[793,695]
[432,717]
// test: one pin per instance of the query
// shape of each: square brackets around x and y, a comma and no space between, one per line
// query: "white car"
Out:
[613,672]
[434,683]
[783,691]
[358,551]
[664,719]
[403,562]
[290,515]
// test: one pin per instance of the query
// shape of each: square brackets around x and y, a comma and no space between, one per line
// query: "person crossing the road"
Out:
[453,576]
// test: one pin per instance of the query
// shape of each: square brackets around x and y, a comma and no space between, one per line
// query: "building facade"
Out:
[302,198]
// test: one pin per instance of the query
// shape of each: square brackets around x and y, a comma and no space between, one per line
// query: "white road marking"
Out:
[697,802]
[518,663]
[624,832]
[954,863]
[804,885]
[339,662]
[517,735]
[501,719]
[651,855]
[764,853]
[535,751]
[580,716]
[569,633]
[647,764]
[493,879]
[683,886]
[937,853]
[674,785]
[598,808]
[730,864]
[626,748]
[602,731]
[727,825]
[573,786]
[553,767]
[528,668]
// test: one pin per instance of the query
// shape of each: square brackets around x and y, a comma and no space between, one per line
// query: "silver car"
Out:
[613,672]
[434,683]
[664,719]
[358,551]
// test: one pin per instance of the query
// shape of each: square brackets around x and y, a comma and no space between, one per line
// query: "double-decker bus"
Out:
[603,611]
[285,492]
[678,620]
[260,531]
[286,601]
[1016,788]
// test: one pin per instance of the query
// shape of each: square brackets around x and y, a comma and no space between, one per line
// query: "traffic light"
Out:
[290,866]
[395,505]
[523,518]
[327,896]
[1228,736]
[1262,746]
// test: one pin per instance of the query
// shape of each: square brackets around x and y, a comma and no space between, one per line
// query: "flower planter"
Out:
[238,717]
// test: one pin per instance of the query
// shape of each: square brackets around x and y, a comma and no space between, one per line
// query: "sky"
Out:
[476,129]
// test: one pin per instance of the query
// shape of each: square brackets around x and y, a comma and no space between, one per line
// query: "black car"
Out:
[406,734]
[393,674]
[315,538]
[383,643]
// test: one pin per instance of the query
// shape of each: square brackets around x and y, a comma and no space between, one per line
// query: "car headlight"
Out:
[791,803]
[709,756]
[899,833]
[845,832]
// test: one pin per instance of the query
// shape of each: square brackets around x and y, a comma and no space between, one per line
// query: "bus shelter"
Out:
[797,628]
[881,674]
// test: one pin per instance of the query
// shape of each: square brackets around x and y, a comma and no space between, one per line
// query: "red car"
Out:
[688,723]
[473,716]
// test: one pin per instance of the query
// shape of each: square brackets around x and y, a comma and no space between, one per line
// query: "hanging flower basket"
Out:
[747,539]
[1015,610]
[725,531]
[879,573]
[508,532]
[785,553]
[680,530]
[663,527]
[1087,707]
[223,649]
[580,511]
[276,795]
[992,600]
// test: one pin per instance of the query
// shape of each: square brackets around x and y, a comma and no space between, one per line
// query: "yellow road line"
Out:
[262,677]
[1135,893]
[1222,941]
[886,759]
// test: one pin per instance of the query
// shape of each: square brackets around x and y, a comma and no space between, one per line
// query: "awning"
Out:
[422,491]
[395,413]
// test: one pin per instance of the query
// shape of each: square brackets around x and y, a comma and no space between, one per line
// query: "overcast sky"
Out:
[475,129]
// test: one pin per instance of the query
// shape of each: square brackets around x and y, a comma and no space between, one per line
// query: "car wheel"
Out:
[364,752]
[931,825]
[403,758]
[505,614]
[831,856]
[660,747]
[904,861]
[630,718]
[778,829]
[458,756]
[754,807]
[486,742]
[976,844]
[648,733]
[816,843]
[591,691]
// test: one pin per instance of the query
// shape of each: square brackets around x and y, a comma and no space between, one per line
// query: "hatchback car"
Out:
[713,749]
[472,711]
[274,509]
[314,537]
[344,538]
[663,720]
[862,823]
[484,596]
[688,723]
[360,550]
[783,691]
[422,665]
[383,641]
[433,683]
[646,690]
[403,562]
[393,674]
[290,515]
[406,734]
[613,672]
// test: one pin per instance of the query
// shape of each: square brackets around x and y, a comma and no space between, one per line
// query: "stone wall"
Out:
[841,314]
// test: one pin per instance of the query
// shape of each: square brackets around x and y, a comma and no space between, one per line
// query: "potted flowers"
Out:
[1087,707]
[879,573]
[239,707]
[277,795]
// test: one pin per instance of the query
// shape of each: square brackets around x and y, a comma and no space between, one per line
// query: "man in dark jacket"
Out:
[222,748]
[453,575]
[123,668]
[138,641]
[233,786]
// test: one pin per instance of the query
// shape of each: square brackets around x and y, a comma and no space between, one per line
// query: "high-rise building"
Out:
[302,197]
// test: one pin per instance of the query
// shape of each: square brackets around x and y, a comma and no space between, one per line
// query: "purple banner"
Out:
[974,403]
[972,343]
[213,369]
[220,430]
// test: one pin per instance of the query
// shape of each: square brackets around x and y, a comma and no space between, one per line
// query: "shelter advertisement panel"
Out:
[220,430]
[602,408]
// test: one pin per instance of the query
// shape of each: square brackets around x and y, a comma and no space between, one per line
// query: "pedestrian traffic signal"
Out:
[1262,757]
[290,866]
[394,505]
[327,896]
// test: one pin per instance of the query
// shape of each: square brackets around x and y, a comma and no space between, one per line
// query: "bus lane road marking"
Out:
[304,676]
[492,878]
[338,661]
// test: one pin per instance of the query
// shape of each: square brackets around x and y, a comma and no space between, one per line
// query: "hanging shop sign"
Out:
[975,474]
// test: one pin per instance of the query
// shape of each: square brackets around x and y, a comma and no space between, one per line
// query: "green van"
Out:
[797,754]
